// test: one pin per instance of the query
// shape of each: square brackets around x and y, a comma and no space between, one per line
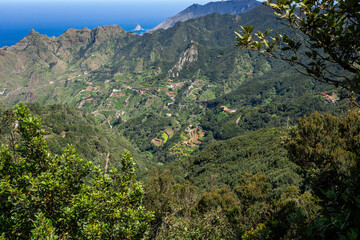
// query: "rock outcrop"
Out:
[189,56]
[138,28]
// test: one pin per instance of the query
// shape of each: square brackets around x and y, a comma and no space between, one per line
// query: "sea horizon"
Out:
[10,37]
[17,19]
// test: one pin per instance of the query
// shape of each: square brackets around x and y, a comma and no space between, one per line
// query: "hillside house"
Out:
[328,98]
[226,109]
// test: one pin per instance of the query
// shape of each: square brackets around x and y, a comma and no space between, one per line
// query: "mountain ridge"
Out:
[107,52]
[232,7]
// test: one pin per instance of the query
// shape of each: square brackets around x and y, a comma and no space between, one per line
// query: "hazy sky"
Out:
[39,12]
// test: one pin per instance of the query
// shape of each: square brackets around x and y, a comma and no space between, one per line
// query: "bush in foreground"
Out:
[63,197]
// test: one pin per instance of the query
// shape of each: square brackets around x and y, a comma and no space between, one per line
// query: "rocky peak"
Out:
[107,28]
[33,33]
[106,32]
[193,7]
[74,36]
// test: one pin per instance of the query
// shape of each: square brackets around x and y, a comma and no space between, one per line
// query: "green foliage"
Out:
[223,198]
[325,205]
[212,225]
[326,33]
[246,186]
[181,214]
[255,195]
[292,215]
[227,162]
[260,232]
[289,101]
[166,197]
[151,125]
[327,150]
[93,142]
[46,196]
[239,179]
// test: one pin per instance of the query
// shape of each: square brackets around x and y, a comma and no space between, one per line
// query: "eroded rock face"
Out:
[189,56]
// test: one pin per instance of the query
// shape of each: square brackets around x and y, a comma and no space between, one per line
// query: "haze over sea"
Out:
[52,18]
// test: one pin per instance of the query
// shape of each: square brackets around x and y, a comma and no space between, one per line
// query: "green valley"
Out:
[226,141]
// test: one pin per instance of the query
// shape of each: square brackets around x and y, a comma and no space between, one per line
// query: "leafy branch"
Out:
[324,44]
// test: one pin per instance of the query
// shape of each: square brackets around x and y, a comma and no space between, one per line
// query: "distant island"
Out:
[138,28]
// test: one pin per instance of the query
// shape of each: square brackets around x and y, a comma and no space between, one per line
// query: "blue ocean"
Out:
[9,37]
[54,18]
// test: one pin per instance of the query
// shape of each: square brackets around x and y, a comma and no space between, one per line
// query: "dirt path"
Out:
[39,87]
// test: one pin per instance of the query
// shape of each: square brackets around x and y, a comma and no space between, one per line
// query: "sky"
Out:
[26,12]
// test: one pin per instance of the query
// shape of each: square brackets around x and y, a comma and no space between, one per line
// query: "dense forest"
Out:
[179,134]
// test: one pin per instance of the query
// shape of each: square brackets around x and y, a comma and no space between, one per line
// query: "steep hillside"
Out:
[272,100]
[222,163]
[65,126]
[37,65]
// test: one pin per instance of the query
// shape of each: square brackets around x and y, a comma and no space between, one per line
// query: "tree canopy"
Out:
[327,149]
[324,42]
